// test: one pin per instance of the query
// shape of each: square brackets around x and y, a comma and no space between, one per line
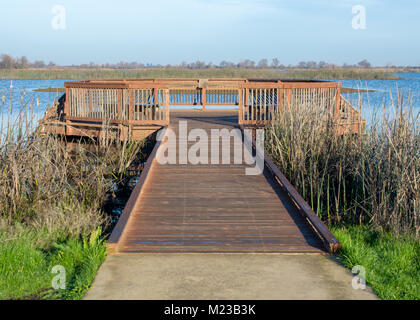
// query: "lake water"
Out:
[23,94]
[25,101]
[373,102]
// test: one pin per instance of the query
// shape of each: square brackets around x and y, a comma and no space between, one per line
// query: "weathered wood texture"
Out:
[209,208]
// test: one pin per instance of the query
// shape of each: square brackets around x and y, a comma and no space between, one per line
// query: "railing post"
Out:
[66,109]
[240,106]
[245,102]
[338,99]
[167,105]
[82,96]
[130,105]
[203,98]
[155,110]
[289,97]
[66,105]
[280,101]
[119,98]
[90,112]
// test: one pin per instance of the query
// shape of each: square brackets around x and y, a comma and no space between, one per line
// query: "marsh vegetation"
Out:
[366,186]
[52,202]
[178,72]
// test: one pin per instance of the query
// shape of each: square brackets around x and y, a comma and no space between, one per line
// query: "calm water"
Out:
[23,94]
[385,91]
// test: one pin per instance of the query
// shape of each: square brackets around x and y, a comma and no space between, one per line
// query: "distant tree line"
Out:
[9,62]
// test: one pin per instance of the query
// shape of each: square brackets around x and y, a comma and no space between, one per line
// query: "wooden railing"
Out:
[203,96]
[259,103]
[222,96]
[185,97]
[149,105]
[262,102]
[117,103]
[146,102]
[350,119]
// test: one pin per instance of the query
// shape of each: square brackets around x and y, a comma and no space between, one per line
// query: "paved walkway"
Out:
[224,276]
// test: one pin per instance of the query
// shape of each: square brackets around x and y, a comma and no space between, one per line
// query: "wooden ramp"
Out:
[212,208]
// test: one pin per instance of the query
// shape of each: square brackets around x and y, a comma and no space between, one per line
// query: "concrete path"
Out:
[224,276]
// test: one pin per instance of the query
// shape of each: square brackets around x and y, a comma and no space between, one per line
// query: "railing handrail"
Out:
[332,244]
[114,85]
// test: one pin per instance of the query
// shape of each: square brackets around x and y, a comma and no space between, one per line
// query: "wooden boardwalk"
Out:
[185,208]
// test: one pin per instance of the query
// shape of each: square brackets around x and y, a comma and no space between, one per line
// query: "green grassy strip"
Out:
[26,269]
[391,263]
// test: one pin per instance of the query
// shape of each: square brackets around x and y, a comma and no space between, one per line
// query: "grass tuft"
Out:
[391,263]
[26,269]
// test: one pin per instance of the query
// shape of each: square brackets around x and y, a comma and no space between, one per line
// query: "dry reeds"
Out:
[45,186]
[367,178]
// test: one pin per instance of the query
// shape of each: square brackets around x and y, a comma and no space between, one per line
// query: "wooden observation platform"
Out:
[135,108]
[204,208]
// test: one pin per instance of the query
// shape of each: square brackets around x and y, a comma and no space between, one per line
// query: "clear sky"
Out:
[169,31]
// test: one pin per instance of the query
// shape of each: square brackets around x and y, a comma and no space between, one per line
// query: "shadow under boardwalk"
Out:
[215,208]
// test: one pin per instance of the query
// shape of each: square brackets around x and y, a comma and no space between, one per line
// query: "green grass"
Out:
[75,73]
[26,266]
[391,263]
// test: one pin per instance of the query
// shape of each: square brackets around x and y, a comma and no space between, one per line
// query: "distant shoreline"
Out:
[293,73]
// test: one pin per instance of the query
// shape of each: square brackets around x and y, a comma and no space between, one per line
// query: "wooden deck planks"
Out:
[214,208]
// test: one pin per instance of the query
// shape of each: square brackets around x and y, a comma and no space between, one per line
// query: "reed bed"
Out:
[365,186]
[44,185]
[371,178]
[52,208]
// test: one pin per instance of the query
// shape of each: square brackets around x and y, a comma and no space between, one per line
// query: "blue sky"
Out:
[168,31]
